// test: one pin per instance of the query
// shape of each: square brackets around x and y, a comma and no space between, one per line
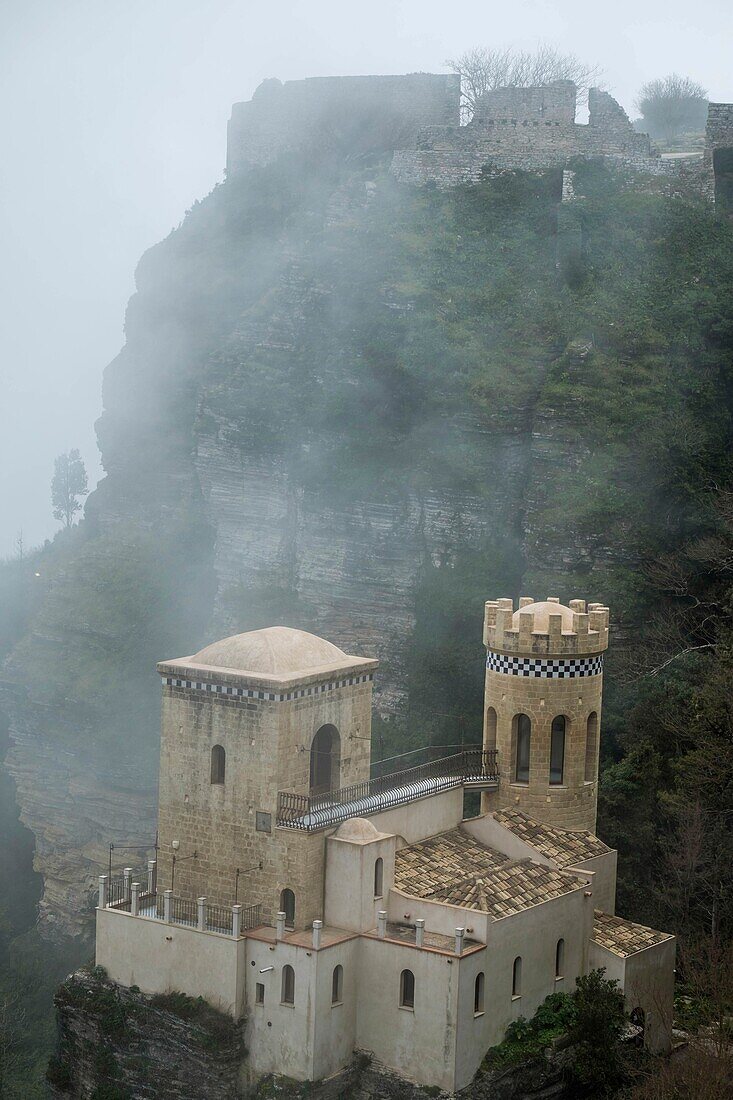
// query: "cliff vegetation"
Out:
[364,409]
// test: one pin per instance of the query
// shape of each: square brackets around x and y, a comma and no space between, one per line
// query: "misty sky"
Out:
[113,122]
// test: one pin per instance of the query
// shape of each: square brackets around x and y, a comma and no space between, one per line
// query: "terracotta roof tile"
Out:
[623,937]
[455,868]
[562,847]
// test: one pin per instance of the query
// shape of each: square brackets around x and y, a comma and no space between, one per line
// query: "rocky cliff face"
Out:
[121,1043]
[361,409]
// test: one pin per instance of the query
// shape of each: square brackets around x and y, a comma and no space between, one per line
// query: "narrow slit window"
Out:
[591,747]
[560,959]
[287,906]
[288,986]
[557,751]
[523,728]
[379,878]
[337,985]
[218,764]
[259,994]
[517,977]
[407,989]
[478,994]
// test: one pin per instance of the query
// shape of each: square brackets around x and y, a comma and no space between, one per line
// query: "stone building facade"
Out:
[332,913]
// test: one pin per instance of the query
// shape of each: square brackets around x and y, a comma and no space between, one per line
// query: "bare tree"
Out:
[673,106]
[482,69]
[68,484]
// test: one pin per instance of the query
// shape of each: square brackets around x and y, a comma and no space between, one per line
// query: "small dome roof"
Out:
[276,650]
[542,611]
[359,830]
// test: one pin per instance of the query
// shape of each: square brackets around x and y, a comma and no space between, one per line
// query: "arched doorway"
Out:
[325,760]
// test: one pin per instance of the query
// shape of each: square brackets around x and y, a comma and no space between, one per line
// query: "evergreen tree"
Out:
[68,484]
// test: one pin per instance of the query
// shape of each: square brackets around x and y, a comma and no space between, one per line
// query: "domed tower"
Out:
[248,717]
[544,682]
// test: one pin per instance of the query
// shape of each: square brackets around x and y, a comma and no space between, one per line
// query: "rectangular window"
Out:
[259,994]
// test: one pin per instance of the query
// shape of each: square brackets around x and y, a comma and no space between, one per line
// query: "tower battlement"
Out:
[546,627]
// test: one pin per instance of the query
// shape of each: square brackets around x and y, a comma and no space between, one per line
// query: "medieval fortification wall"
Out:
[417,116]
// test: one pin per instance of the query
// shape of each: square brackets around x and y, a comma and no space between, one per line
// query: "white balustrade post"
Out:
[201,915]
[236,921]
[317,929]
[102,891]
[135,899]
[382,923]
[167,906]
[151,876]
[460,933]
[127,881]
[419,932]
[280,926]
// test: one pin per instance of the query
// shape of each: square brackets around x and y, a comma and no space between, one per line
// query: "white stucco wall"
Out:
[604,879]
[419,1044]
[647,979]
[350,899]
[425,817]
[279,1037]
[533,935]
[335,1025]
[162,958]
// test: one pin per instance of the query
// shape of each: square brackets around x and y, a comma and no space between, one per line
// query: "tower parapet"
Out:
[546,628]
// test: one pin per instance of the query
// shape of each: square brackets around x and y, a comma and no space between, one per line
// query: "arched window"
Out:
[407,989]
[288,986]
[557,750]
[325,760]
[517,977]
[478,994]
[337,985]
[490,731]
[591,747]
[379,878]
[287,906]
[522,742]
[560,959]
[218,764]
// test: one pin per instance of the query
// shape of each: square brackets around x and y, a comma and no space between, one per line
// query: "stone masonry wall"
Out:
[571,805]
[267,748]
[388,109]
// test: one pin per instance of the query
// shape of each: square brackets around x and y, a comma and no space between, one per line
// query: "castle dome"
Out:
[542,611]
[274,651]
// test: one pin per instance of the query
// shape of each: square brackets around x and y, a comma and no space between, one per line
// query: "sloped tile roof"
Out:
[559,845]
[623,937]
[455,868]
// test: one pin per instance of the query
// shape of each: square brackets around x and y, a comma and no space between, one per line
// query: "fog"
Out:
[114,122]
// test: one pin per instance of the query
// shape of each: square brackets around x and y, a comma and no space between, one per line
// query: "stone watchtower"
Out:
[544,681]
[275,710]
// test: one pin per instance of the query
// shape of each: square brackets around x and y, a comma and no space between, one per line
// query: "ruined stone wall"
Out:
[719,129]
[553,103]
[386,110]
[529,129]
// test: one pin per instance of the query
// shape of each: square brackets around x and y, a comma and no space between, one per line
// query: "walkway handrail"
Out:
[316,811]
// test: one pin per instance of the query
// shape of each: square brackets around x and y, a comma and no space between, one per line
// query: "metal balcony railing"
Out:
[471,767]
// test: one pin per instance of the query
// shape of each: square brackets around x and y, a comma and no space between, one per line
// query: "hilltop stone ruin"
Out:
[417,116]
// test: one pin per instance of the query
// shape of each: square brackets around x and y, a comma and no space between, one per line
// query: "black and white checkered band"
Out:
[547,668]
[250,693]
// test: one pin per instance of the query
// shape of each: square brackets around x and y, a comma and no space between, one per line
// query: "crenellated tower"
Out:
[544,684]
